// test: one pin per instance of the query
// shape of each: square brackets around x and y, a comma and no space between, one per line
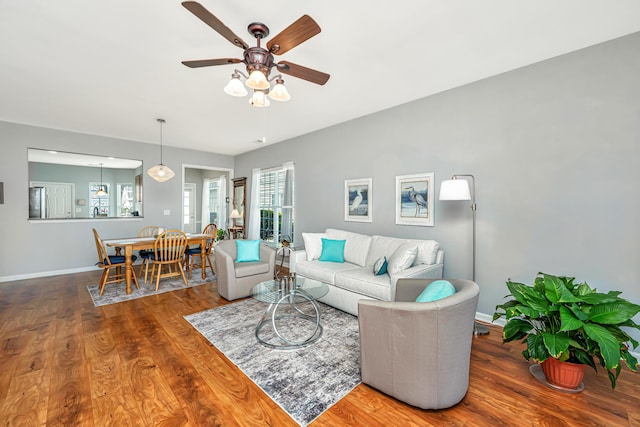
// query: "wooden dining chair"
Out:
[193,256]
[149,231]
[107,262]
[168,252]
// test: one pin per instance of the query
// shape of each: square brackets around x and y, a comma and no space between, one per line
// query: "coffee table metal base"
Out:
[291,301]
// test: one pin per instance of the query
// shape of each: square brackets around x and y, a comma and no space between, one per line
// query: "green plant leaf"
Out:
[609,345]
[556,290]
[516,329]
[555,343]
[517,290]
[583,290]
[578,312]
[536,348]
[584,358]
[596,298]
[568,321]
[613,313]
[630,360]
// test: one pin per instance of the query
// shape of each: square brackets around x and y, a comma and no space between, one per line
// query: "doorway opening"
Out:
[205,197]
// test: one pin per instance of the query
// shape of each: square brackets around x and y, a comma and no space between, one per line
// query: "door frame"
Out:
[227,171]
[194,206]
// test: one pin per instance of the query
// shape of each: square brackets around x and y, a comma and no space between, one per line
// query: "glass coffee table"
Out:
[292,319]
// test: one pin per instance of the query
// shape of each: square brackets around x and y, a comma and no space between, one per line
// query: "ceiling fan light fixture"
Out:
[235,86]
[279,92]
[160,172]
[257,80]
[259,99]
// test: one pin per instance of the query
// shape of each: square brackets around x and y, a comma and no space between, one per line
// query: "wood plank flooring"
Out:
[64,362]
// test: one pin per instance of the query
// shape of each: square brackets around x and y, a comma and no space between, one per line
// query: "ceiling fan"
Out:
[258,59]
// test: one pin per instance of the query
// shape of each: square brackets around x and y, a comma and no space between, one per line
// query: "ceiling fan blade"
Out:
[209,62]
[303,73]
[301,30]
[208,18]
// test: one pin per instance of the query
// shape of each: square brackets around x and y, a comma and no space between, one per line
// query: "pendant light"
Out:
[102,190]
[160,172]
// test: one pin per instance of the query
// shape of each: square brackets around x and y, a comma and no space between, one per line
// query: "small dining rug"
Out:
[304,382]
[116,292]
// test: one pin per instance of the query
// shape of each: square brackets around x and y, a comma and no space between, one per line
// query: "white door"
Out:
[59,198]
[189,224]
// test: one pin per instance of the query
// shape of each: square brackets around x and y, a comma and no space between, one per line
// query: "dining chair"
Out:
[192,254]
[168,251]
[149,231]
[107,262]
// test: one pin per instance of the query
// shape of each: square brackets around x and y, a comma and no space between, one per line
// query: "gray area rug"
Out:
[304,382]
[116,292]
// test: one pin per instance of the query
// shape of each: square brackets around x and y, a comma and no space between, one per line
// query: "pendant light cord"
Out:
[161,121]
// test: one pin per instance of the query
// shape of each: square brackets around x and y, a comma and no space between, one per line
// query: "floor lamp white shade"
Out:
[458,189]
[455,189]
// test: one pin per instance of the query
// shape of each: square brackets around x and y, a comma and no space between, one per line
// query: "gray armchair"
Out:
[235,280]
[419,352]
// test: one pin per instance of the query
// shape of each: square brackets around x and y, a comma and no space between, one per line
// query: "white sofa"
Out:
[354,279]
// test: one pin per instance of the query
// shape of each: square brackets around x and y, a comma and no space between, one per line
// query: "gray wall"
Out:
[33,248]
[554,147]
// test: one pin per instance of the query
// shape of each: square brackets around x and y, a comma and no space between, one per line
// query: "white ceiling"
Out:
[112,67]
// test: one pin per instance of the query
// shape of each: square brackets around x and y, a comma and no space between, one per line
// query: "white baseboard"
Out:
[501,322]
[46,273]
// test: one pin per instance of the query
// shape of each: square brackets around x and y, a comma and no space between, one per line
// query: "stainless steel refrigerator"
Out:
[37,202]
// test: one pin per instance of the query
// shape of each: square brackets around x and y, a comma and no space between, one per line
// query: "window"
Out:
[276,203]
[99,204]
[125,199]
[214,203]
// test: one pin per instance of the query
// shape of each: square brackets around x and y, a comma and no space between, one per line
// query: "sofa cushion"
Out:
[313,244]
[356,248]
[402,258]
[245,269]
[386,246]
[323,271]
[332,250]
[362,281]
[436,290]
[380,267]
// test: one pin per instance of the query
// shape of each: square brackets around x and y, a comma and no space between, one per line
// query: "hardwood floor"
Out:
[64,362]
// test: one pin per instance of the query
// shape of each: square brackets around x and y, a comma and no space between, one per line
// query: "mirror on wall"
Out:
[66,185]
[238,213]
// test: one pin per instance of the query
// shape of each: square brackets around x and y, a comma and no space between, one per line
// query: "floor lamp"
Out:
[455,189]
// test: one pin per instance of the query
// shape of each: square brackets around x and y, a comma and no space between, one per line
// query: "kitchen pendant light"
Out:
[160,172]
[102,190]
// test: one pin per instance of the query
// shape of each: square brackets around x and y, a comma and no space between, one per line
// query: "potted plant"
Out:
[221,234]
[570,322]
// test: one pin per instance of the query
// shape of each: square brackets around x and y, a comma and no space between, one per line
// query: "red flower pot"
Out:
[563,374]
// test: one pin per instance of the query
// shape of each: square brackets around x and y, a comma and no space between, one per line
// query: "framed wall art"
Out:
[414,199]
[357,199]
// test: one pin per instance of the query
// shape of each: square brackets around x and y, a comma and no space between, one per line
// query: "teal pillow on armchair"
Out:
[248,250]
[436,290]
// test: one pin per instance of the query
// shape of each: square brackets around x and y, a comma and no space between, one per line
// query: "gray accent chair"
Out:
[235,280]
[419,352]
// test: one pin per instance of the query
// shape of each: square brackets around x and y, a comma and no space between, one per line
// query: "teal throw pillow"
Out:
[247,250]
[332,250]
[436,290]
[380,267]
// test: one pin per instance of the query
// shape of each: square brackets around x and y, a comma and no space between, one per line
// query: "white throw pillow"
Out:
[402,258]
[313,244]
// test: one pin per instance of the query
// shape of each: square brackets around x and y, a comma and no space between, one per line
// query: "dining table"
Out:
[130,244]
